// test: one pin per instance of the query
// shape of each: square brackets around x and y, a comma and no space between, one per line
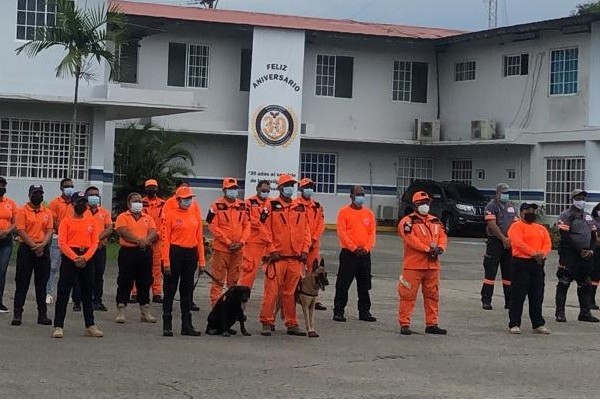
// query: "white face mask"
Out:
[136,207]
[580,204]
[263,195]
[423,209]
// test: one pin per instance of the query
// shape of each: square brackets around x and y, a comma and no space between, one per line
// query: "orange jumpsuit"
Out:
[154,208]
[419,233]
[228,222]
[255,248]
[316,221]
[285,230]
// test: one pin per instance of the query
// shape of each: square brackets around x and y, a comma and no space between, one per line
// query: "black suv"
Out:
[457,205]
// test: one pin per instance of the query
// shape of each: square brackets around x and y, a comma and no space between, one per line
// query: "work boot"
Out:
[133,299]
[266,330]
[561,299]
[435,330]
[187,329]
[587,318]
[295,331]
[145,314]
[339,317]
[194,307]
[405,330]
[44,320]
[120,318]
[157,298]
[93,331]
[583,293]
[77,307]
[319,306]
[58,333]
[167,325]
[593,305]
[367,317]
[486,306]
[17,320]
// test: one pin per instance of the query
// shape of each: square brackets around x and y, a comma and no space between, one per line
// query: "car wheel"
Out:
[449,224]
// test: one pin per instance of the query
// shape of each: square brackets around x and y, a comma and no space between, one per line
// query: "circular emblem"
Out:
[274,125]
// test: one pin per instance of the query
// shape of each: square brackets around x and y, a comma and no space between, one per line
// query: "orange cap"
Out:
[306,182]
[285,178]
[151,182]
[184,192]
[420,196]
[229,182]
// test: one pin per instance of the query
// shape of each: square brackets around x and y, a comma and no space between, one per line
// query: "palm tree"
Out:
[83,33]
[148,153]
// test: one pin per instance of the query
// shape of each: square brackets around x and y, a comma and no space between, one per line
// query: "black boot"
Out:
[561,299]
[187,329]
[435,330]
[487,292]
[44,320]
[17,319]
[167,325]
[583,293]
[593,305]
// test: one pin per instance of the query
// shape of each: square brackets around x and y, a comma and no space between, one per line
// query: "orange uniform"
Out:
[172,204]
[528,239]
[229,223]
[101,218]
[255,247]
[316,221]
[139,227]
[419,234]
[154,208]
[356,228]
[35,223]
[8,212]
[182,228]
[78,233]
[60,208]
[285,231]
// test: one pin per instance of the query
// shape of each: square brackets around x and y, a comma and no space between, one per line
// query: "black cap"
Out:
[36,188]
[2,180]
[525,206]
[77,196]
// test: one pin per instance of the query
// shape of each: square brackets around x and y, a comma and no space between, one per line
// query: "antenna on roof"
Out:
[205,3]
[492,14]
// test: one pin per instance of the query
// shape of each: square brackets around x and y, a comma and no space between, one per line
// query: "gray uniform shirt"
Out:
[503,214]
[579,226]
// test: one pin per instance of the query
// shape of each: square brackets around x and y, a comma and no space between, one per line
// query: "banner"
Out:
[275,106]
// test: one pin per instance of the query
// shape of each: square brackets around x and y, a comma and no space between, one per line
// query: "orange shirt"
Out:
[528,239]
[101,218]
[316,218]
[154,208]
[60,208]
[8,212]
[254,207]
[182,228]
[79,233]
[139,227]
[35,223]
[418,233]
[229,223]
[356,228]
[285,228]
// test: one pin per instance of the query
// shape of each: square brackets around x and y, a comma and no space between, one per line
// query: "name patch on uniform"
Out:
[407,227]
[510,209]
[221,206]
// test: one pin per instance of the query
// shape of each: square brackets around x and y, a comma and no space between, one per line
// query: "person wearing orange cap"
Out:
[182,255]
[8,216]
[356,233]
[255,248]
[424,240]
[316,220]
[286,233]
[229,223]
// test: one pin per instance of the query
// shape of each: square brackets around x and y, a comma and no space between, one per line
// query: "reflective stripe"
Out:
[505,282]
[491,217]
[488,282]
[563,227]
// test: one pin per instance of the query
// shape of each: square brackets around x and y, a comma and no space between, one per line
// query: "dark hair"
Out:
[179,182]
[263,182]
[63,181]
[130,195]
[2,180]
[91,188]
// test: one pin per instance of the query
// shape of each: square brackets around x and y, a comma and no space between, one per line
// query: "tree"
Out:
[587,8]
[84,34]
[148,153]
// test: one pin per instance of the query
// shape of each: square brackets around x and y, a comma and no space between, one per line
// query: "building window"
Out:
[411,169]
[562,176]
[188,65]
[40,149]
[410,81]
[564,71]
[516,65]
[511,174]
[480,174]
[464,71]
[334,76]
[126,62]
[245,70]
[33,15]
[321,168]
[462,171]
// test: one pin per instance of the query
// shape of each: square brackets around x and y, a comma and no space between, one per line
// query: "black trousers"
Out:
[527,281]
[184,263]
[135,265]
[70,276]
[28,263]
[496,255]
[574,268]
[595,273]
[353,266]
[99,264]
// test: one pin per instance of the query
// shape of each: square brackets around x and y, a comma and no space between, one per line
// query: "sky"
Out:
[458,14]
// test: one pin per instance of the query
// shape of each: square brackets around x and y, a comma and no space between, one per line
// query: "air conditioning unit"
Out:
[483,130]
[387,212]
[427,131]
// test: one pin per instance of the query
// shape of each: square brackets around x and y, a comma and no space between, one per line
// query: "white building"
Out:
[519,104]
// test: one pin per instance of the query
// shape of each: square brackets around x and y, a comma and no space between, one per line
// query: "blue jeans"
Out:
[6,246]
[55,261]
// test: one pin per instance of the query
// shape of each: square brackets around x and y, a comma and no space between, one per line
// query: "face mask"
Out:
[185,203]
[94,200]
[529,217]
[580,204]
[36,199]
[287,191]
[136,207]
[504,197]
[263,195]
[2,191]
[231,194]
[151,192]
[68,191]
[80,207]
[308,193]
[359,200]
[595,213]
[423,209]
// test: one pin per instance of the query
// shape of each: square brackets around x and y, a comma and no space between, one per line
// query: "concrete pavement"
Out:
[478,358]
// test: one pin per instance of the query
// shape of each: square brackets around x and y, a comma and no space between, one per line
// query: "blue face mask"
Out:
[504,197]
[68,191]
[94,200]
[231,194]
[185,203]
[287,191]
[359,200]
[263,195]
[308,193]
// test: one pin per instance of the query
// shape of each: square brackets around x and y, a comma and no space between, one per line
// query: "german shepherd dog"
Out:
[307,292]
[228,310]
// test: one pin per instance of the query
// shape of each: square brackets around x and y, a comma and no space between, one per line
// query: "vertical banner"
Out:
[275,106]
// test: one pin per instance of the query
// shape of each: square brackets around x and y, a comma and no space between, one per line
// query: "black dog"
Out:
[229,310]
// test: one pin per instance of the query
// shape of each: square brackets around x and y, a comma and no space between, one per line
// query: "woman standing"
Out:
[137,232]
[8,214]
[183,253]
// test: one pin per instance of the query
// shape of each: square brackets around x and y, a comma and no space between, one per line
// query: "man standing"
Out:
[8,217]
[255,248]
[356,233]
[576,256]
[153,206]
[424,240]
[316,220]
[286,234]
[228,222]
[500,213]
